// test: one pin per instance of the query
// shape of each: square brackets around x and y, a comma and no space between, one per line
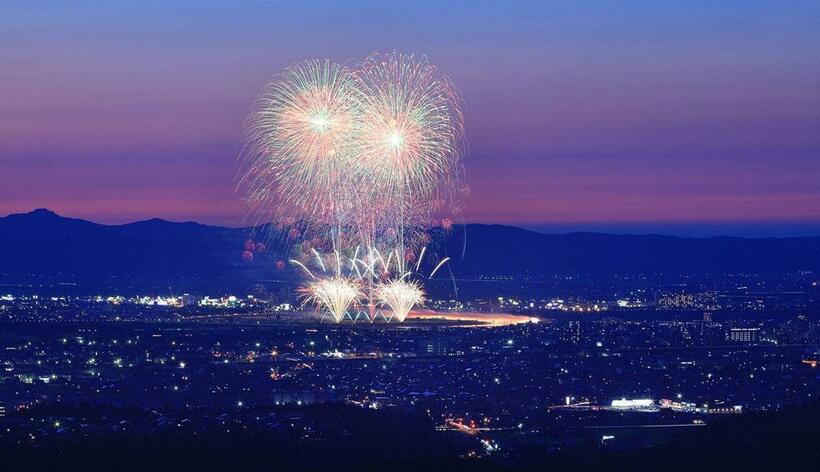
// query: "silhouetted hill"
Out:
[159,253]
[153,252]
[494,249]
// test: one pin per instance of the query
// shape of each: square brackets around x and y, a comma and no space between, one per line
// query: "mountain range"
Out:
[41,245]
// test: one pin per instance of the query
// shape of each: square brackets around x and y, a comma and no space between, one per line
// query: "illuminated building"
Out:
[639,404]
[302,397]
[744,335]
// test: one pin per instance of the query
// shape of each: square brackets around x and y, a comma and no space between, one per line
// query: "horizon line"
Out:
[754,229]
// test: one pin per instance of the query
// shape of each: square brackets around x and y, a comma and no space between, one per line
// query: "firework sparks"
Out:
[389,287]
[300,143]
[410,126]
[400,296]
[361,156]
[367,156]
[409,147]
[335,295]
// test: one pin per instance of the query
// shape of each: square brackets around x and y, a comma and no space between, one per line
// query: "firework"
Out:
[400,296]
[366,157]
[409,147]
[410,127]
[300,145]
[334,295]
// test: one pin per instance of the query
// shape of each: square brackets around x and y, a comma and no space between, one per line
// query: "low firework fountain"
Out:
[330,293]
[400,296]
[333,295]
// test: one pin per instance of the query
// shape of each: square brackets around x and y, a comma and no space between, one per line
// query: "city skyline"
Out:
[679,119]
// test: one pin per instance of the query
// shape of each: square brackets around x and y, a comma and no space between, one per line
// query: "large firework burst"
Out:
[370,157]
[301,146]
[410,126]
[409,145]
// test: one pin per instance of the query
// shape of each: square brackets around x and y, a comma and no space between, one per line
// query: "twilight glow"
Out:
[697,118]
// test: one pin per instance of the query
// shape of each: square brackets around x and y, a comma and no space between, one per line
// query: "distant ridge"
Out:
[152,252]
[156,252]
[514,251]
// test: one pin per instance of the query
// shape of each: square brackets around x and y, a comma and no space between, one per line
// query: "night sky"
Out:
[675,118]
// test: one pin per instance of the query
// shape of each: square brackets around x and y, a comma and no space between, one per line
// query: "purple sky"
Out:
[679,118]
